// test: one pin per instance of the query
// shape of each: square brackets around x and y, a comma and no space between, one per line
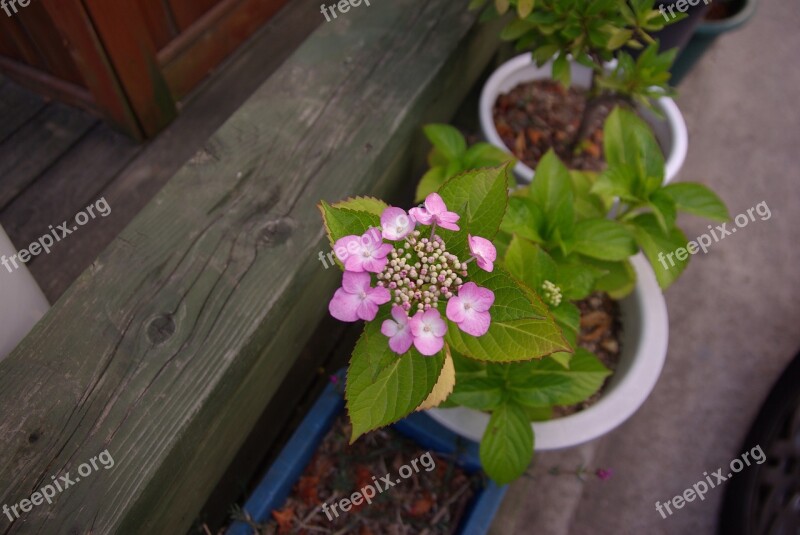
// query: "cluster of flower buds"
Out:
[551,294]
[418,274]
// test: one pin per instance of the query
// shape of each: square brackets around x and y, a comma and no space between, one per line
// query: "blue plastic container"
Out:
[276,486]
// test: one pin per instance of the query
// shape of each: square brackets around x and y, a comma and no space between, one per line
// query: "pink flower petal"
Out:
[355,282]
[476,297]
[435,204]
[428,345]
[475,323]
[378,295]
[396,224]
[389,328]
[484,252]
[421,215]
[455,309]
[367,310]
[400,337]
[344,306]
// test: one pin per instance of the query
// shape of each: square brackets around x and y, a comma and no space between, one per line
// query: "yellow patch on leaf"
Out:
[444,385]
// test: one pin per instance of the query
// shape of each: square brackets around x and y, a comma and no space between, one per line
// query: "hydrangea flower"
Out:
[418,275]
[398,331]
[396,224]
[363,253]
[356,299]
[483,251]
[428,329]
[470,309]
[551,294]
[435,213]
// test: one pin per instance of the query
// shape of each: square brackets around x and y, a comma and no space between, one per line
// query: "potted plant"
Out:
[570,235]
[578,68]
[468,299]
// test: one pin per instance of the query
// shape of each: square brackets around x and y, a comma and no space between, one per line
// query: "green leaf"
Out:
[619,279]
[382,386]
[546,382]
[447,140]
[521,328]
[576,278]
[603,239]
[341,222]
[480,197]
[587,205]
[551,190]
[363,204]
[529,263]
[629,143]
[501,6]
[485,155]
[567,316]
[697,199]
[658,245]
[561,70]
[664,209]
[524,8]
[479,393]
[430,182]
[506,449]
[524,218]
[539,414]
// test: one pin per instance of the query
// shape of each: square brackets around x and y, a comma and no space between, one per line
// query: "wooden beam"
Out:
[167,350]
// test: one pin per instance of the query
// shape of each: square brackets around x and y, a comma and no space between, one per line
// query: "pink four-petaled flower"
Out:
[435,212]
[470,309]
[484,252]
[356,300]
[398,331]
[363,253]
[428,329]
[396,224]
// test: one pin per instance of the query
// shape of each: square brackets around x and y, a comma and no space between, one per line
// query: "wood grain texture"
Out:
[168,349]
[17,107]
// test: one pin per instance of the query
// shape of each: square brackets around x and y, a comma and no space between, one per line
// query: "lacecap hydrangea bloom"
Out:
[414,271]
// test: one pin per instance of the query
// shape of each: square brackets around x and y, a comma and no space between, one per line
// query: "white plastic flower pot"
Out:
[670,131]
[22,302]
[645,333]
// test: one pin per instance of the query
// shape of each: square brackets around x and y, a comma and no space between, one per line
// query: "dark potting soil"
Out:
[427,502]
[600,333]
[536,116]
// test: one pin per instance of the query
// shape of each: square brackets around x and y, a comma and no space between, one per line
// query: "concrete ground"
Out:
[734,315]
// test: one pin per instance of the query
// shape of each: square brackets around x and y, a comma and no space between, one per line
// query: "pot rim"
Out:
[677,125]
[645,345]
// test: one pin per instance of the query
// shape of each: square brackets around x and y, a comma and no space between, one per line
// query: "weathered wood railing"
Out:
[169,348]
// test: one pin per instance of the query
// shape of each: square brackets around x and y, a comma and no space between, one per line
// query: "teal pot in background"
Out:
[707,32]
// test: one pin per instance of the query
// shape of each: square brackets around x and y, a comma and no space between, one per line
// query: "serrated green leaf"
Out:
[485,155]
[529,263]
[363,204]
[657,246]
[521,328]
[619,279]
[545,382]
[382,386]
[341,222]
[506,449]
[524,218]
[551,190]
[697,199]
[480,197]
[480,393]
[603,239]
[629,143]
[447,140]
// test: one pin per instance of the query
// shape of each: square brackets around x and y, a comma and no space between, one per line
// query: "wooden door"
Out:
[129,60]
